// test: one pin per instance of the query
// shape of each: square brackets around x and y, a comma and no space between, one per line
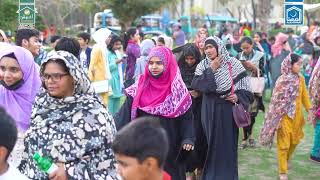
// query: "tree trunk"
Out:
[254,15]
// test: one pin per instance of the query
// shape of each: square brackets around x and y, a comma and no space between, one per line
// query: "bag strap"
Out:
[230,72]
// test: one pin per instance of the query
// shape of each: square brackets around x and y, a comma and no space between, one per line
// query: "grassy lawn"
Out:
[261,163]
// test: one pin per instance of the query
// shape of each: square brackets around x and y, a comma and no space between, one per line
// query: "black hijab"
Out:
[187,72]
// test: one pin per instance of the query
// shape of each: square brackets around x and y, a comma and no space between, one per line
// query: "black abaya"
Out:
[219,127]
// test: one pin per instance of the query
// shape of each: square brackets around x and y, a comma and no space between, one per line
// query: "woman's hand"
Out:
[188,147]
[215,64]
[194,93]
[311,118]
[232,98]
[59,174]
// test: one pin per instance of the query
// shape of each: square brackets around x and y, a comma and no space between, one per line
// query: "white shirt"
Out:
[13,174]
[83,60]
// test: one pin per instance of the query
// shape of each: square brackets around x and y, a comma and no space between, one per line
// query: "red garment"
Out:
[166,95]
[166,176]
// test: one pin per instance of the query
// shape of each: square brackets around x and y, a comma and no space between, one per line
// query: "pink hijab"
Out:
[276,49]
[166,95]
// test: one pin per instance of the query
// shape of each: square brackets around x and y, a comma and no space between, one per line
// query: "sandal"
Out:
[314,159]
[283,176]
[252,143]
[243,145]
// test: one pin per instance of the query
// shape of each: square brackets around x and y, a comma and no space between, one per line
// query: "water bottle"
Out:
[45,164]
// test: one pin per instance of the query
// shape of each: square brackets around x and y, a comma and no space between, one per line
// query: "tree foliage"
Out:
[8,15]
[129,10]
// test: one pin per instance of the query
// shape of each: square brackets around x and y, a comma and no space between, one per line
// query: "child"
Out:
[141,148]
[8,138]
[85,52]
[285,115]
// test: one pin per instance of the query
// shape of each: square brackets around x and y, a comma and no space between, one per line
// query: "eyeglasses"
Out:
[54,76]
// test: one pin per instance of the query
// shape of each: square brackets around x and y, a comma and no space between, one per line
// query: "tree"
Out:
[55,12]
[263,11]
[8,15]
[129,10]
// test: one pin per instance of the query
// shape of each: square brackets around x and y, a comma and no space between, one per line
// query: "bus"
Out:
[106,19]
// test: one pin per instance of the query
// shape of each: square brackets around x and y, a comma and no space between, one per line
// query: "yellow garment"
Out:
[98,69]
[291,130]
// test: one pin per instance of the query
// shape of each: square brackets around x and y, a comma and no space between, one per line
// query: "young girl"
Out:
[285,114]
[114,98]
[131,39]
[253,61]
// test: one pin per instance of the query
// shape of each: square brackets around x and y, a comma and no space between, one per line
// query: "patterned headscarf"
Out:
[70,129]
[314,91]
[282,102]
[222,75]
[166,95]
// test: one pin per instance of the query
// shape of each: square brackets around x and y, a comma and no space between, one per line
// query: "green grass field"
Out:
[261,163]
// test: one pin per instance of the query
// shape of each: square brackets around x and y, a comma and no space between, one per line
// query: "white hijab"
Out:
[100,37]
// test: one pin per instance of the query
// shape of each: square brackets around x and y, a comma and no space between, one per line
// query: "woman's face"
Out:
[59,83]
[211,51]
[10,71]
[155,66]
[246,48]
[256,38]
[117,45]
[203,33]
[297,66]
[136,36]
[190,60]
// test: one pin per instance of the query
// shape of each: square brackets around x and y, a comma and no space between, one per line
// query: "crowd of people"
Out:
[134,108]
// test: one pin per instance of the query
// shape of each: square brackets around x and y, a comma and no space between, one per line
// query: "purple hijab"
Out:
[18,103]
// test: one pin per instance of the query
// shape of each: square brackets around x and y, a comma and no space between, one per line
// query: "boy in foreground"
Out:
[141,149]
[8,138]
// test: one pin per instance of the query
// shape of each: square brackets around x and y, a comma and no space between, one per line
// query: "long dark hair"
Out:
[113,40]
[127,37]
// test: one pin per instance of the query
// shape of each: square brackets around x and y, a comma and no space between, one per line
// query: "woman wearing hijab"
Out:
[161,93]
[145,49]
[99,71]
[253,61]
[69,125]
[213,79]
[285,115]
[20,82]
[199,40]
[280,50]
[188,62]
[314,112]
